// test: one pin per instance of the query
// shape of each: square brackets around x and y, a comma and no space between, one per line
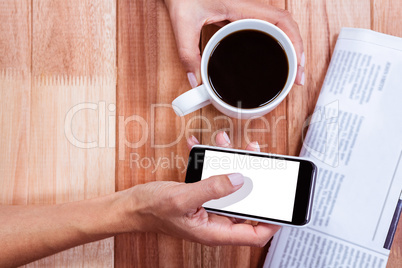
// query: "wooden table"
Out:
[110,69]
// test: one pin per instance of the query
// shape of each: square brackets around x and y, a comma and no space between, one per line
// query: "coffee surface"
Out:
[248,69]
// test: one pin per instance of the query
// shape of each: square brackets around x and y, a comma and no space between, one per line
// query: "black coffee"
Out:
[248,69]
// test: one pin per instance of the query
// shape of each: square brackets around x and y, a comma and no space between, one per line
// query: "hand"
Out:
[189,16]
[176,209]
[32,232]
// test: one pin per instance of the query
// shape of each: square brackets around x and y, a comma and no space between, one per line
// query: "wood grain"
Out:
[55,56]
[146,87]
[319,23]
[271,133]
[136,92]
[73,96]
[160,75]
[60,57]
[15,98]
[386,16]
[170,134]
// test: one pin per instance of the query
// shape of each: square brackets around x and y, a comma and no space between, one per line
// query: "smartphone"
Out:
[277,189]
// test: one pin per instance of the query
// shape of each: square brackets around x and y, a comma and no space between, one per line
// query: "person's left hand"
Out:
[176,209]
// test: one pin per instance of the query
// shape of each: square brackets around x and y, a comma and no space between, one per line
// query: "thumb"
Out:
[214,187]
[187,34]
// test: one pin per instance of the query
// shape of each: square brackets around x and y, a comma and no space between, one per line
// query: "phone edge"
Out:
[311,199]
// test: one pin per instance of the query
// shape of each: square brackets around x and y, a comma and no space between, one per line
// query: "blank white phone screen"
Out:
[269,189]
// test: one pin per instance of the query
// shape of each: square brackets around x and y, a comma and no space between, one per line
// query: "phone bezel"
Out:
[304,189]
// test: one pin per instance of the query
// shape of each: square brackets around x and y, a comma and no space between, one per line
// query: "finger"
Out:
[191,142]
[237,220]
[247,234]
[300,76]
[222,23]
[290,27]
[222,139]
[281,18]
[241,234]
[214,187]
[187,33]
[253,146]
[233,220]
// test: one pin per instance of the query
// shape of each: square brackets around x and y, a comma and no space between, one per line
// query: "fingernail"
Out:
[256,146]
[302,79]
[236,179]
[192,79]
[194,139]
[225,135]
[302,60]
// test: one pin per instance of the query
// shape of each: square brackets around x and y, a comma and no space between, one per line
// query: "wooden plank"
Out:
[319,23]
[72,99]
[395,256]
[271,133]
[150,76]
[170,132]
[385,18]
[222,256]
[15,94]
[136,91]
[74,63]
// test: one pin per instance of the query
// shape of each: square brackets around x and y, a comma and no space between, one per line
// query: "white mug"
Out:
[203,95]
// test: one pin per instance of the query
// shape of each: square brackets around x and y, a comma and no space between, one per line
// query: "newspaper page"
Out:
[355,138]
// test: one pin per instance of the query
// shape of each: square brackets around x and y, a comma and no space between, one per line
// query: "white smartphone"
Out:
[277,189]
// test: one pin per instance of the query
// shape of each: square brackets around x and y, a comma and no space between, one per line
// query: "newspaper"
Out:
[355,138]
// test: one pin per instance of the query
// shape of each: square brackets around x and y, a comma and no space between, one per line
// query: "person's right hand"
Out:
[189,16]
[176,209]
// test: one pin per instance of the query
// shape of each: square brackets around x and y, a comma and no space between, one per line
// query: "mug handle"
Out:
[191,101]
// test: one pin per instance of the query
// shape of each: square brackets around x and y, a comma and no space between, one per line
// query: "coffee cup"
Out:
[247,68]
